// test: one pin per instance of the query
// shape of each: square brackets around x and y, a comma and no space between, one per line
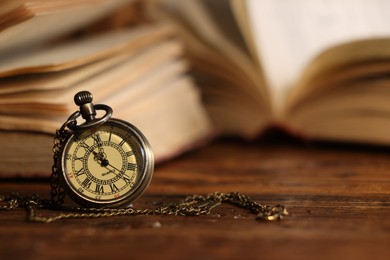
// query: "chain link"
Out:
[57,193]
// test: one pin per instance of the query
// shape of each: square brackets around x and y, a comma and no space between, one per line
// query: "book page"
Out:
[224,19]
[58,79]
[40,21]
[289,34]
[80,52]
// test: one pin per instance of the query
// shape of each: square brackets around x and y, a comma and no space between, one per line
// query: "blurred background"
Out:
[187,72]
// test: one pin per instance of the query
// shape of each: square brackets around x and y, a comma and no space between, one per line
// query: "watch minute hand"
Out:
[106,164]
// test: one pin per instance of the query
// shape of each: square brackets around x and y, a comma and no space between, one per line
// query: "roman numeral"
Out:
[96,138]
[131,153]
[86,183]
[75,158]
[99,188]
[79,172]
[122,142]
[131,166]
[84,145]
[113,187]
[126,178]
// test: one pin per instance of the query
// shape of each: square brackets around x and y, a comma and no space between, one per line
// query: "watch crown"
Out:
[83,97]
[84,100]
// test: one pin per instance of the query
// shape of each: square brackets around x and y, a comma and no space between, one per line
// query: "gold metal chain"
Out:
[194,205]
[57,193]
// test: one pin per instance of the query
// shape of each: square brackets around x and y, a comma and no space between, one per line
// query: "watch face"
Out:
[107,167]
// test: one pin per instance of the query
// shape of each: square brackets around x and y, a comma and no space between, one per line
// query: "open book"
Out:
[319,69]
[139,71]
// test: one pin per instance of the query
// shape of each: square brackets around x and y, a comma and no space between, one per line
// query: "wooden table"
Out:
[338,199]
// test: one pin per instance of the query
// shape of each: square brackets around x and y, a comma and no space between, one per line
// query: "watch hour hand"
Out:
[99,157]
[96,138]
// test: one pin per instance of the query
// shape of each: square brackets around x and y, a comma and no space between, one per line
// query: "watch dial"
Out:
[103,166]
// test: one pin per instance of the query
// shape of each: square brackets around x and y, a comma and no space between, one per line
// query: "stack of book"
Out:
[139,71]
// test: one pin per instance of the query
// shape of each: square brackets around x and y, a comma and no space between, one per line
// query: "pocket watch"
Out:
[103,162]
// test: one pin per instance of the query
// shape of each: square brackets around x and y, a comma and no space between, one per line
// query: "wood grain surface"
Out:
[338,199]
